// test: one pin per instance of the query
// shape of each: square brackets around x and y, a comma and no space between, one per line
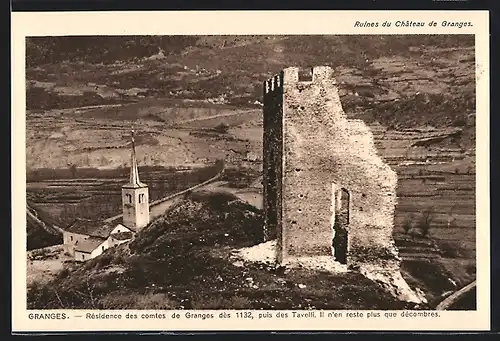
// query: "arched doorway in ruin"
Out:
[340,219]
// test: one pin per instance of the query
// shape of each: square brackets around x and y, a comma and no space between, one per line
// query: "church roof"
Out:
[91,227]
[134,181]
[89,245]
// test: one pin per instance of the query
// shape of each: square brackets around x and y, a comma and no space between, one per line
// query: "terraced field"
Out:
[59,202]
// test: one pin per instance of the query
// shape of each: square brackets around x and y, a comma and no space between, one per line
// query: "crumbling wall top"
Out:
[293,75]
[318,73]
[274,83]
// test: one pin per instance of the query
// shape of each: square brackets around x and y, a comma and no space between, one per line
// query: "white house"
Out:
[85,239]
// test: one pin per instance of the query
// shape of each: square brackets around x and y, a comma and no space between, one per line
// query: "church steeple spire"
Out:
[135,196]
[134,172]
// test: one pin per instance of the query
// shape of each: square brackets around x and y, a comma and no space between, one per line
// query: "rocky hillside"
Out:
[184,261]
[397,80]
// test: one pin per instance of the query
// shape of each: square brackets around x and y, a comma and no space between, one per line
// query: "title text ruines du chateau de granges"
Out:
[410,23]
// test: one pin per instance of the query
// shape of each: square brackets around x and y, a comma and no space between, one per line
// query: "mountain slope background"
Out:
[420,79]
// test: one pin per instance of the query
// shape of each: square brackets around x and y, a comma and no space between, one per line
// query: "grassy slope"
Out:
[182,261]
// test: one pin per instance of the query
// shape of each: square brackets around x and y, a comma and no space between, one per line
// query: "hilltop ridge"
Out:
[183,260]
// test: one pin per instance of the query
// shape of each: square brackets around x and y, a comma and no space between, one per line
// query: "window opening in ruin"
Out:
[305,75]
[344,205]
[103,249]
[71,238]
[340,228]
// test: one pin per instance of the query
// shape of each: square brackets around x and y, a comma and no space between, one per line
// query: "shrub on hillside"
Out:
[104,260]
[408,224]
[221,128]
[459,122]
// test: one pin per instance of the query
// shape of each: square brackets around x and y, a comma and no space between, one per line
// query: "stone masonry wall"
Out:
[273,151]
[324,151]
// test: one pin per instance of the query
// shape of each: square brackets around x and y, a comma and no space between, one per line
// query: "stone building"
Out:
[85,239]
[326,191]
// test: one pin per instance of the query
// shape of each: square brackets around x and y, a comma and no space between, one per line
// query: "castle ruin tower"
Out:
[327,192]
[135,196]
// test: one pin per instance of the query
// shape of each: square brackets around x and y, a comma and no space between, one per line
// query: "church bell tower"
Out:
[135,197]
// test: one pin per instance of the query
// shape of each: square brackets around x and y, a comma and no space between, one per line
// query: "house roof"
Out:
[89,245]
[122,235]
[131,229]
[90,227]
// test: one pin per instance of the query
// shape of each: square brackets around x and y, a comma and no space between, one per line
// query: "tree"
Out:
[425,222]
[73,170]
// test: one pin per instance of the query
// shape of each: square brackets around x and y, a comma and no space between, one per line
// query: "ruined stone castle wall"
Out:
[273,152]
[320,146]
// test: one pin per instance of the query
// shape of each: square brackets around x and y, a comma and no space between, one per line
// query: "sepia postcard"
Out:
[188,171]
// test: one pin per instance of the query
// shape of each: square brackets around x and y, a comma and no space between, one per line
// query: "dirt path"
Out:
[158,210]
[212,117]
[249,195]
